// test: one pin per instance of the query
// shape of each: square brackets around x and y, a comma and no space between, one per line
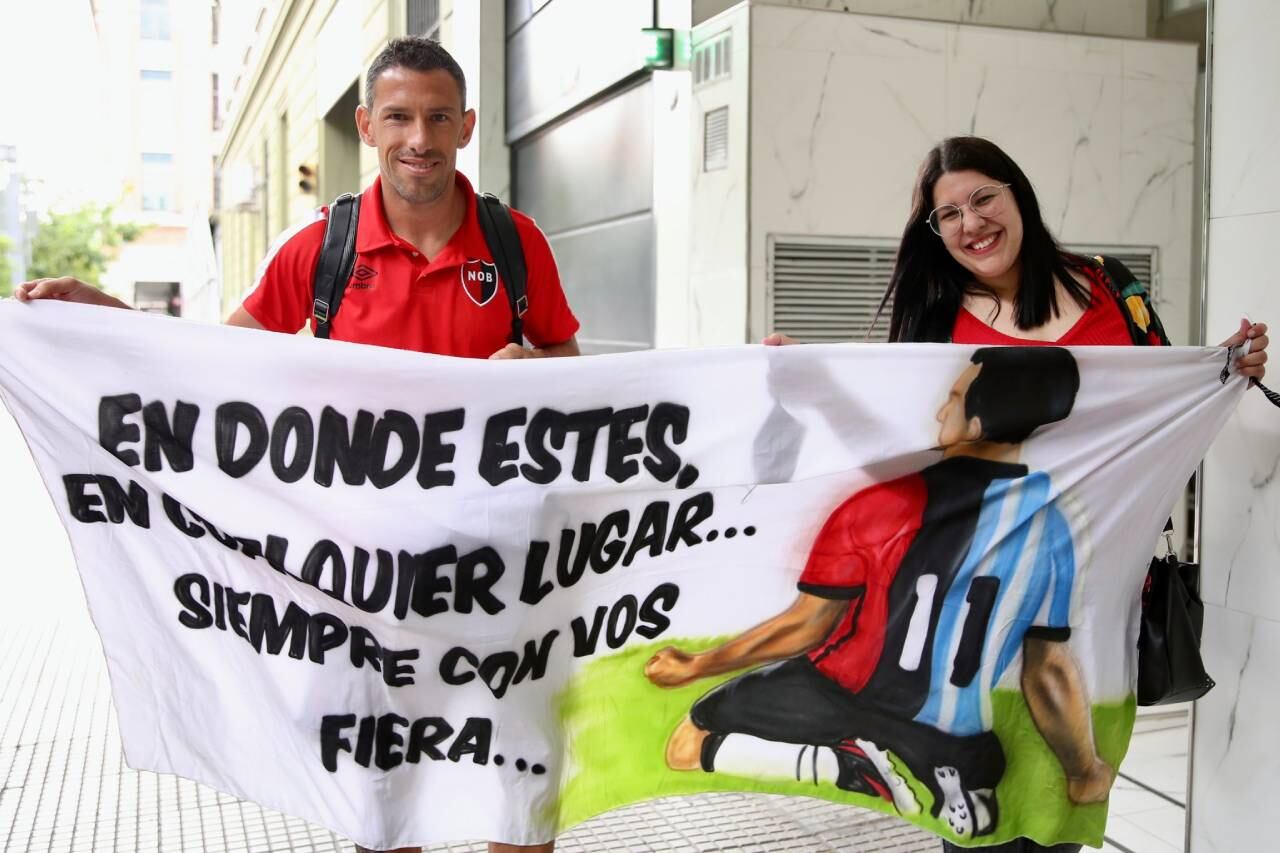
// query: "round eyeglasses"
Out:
[946,220]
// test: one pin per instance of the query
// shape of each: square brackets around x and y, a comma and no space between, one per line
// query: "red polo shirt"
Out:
[398,298]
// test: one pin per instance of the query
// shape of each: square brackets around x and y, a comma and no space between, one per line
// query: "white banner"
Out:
[416,599]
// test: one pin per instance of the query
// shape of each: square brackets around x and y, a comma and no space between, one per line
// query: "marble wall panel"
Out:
[1246,107]
[863,35]
[839,156]
[1100,17]
[1103,56]
[1146,59]
[1242,490]
[1235,736]
[718,269]
[1157,198]
[1085,196]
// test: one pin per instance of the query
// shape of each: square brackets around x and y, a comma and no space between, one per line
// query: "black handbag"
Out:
[1170,668]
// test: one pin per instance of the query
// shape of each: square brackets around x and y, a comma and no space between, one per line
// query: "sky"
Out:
[51,101]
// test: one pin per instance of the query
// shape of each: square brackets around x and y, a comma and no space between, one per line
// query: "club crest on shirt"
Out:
[479,280]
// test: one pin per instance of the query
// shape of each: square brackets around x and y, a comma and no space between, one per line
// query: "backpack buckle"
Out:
[522,305]
[320,309]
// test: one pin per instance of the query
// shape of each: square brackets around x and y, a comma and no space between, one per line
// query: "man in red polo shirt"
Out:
[417,238]
[418,235]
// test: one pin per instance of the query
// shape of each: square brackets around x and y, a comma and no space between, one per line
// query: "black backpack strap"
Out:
[337,258]
[508,256]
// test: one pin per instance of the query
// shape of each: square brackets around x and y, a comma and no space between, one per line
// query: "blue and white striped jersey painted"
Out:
[1022,566]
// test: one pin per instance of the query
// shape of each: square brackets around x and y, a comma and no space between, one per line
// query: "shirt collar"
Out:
[373,232]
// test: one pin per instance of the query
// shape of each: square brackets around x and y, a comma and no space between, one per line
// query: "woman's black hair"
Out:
[928,285]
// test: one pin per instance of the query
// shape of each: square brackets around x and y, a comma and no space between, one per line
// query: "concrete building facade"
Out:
[290,138]
[157,56]
[14,224]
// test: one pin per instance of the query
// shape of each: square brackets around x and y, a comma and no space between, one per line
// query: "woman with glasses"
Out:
[977,265]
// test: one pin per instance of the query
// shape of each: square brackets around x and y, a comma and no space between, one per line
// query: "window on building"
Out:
[215,21]
[216,118]
[715,139]
[423,18]
[216,175]
[159,181]
[155,75]
[713,59]
[155,19]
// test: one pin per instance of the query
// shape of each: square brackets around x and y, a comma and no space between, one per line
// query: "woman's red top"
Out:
[1101,324]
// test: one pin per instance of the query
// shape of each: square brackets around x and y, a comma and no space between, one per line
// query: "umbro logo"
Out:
[361,277]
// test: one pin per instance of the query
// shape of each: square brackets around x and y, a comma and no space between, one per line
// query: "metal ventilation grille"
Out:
[711,59]
[715,139]
[827,290]
[1142,261]
[423,18]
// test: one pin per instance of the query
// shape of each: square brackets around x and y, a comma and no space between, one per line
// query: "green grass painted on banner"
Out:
[617,725]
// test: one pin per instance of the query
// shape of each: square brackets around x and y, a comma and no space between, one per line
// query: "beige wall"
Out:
[277,119]
[300,66]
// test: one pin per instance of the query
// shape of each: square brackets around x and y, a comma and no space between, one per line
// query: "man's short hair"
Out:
[1020,389]
[416,53]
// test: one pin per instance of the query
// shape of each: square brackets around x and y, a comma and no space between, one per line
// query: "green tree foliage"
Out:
[6,270]
[78,244]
